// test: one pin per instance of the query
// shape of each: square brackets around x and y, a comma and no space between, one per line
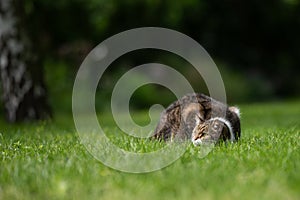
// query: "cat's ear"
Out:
[236,110]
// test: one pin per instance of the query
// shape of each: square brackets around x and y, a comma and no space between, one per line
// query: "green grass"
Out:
[46,161]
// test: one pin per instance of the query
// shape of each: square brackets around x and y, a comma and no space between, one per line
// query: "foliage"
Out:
[256,41]
[46,160]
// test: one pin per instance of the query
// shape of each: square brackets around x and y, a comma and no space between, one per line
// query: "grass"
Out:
[46,161]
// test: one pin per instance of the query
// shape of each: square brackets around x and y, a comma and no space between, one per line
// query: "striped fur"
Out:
[194,115]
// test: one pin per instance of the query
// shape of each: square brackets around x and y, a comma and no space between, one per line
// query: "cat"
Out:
[199,118]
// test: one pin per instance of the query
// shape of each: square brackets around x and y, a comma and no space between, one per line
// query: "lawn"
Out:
[46,160]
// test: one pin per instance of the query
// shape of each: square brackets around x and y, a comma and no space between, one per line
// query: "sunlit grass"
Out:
[47,161]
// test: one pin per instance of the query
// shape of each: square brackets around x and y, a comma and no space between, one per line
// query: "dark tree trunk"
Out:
[23,90]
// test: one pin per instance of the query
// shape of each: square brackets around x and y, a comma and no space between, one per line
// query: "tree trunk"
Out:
[23,90]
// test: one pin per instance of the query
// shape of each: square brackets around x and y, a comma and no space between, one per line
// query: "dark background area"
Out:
[255,44]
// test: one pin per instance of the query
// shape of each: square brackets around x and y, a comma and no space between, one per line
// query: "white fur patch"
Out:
[197,142]
[236,110]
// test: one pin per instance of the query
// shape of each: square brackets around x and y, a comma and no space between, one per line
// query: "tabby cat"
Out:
[199,118]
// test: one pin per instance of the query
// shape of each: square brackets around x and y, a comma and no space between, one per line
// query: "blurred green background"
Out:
[255,44]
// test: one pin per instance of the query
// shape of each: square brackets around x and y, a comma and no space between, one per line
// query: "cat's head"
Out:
[216,129]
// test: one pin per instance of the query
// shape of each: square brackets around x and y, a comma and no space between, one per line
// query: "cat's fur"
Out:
[199,118]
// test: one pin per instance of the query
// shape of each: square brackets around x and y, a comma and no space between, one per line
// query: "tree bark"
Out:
[23,90]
